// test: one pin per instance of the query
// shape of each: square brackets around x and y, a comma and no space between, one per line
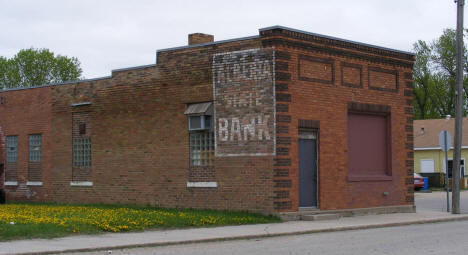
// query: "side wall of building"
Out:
[140,139]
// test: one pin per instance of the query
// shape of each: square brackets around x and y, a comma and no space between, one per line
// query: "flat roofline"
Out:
[55,84]
[335,38]
[209,43]
[79,81]
[133,68]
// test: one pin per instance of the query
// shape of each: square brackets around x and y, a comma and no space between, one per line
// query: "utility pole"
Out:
[458,112]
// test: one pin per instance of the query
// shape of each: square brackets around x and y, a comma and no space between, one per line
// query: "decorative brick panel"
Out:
[351,75]
[314,69]
[383,79]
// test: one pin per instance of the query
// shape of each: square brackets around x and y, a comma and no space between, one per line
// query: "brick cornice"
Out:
[335,42]
[286,42]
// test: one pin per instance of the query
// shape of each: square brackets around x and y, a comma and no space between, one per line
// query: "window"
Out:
[201,133]
[368,145]
[81,152]
[12,149]
[35,142]
[201,148]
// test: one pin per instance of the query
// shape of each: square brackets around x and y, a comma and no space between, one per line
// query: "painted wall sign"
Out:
[243,85]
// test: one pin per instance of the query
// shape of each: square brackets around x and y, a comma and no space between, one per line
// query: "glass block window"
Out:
[35,142]
[12,149]
[201,148]
[81,152]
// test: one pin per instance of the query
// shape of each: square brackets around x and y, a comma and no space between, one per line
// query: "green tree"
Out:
[35,67]
[434,76]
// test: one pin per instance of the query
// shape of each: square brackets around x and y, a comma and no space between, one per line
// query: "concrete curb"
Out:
[244,237]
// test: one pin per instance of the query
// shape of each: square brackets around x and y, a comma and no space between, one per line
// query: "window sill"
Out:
[202,184]
[81,184]
[369,178]
[34,183]
[11,184]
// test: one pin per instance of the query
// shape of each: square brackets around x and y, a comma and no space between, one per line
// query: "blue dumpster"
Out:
[426,183]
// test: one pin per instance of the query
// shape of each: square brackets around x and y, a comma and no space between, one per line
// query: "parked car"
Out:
[418,181]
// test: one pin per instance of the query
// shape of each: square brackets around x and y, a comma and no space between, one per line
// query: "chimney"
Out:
[198,38]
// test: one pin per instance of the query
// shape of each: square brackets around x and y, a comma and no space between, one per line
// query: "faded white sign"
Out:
[243,84]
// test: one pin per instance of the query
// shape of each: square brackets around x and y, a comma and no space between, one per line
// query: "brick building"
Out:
[276,122]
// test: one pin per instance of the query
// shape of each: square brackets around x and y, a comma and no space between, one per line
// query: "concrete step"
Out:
[329,216]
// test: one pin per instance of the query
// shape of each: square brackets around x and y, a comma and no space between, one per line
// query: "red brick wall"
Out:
[140,138]
[26,112]
[316,78]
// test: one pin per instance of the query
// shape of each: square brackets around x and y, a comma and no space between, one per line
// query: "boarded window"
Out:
[368,144]
[35,143]
[12,149]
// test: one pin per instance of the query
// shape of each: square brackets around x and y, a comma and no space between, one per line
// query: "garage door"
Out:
[427,165]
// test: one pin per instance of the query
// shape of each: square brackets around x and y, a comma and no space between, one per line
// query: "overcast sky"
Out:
[112,34]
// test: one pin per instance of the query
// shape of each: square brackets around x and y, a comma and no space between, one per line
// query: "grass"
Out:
[21,221]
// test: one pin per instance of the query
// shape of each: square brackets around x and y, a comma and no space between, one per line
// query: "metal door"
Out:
[308,169]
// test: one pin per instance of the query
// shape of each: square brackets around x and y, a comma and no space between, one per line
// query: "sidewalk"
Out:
[155,238]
